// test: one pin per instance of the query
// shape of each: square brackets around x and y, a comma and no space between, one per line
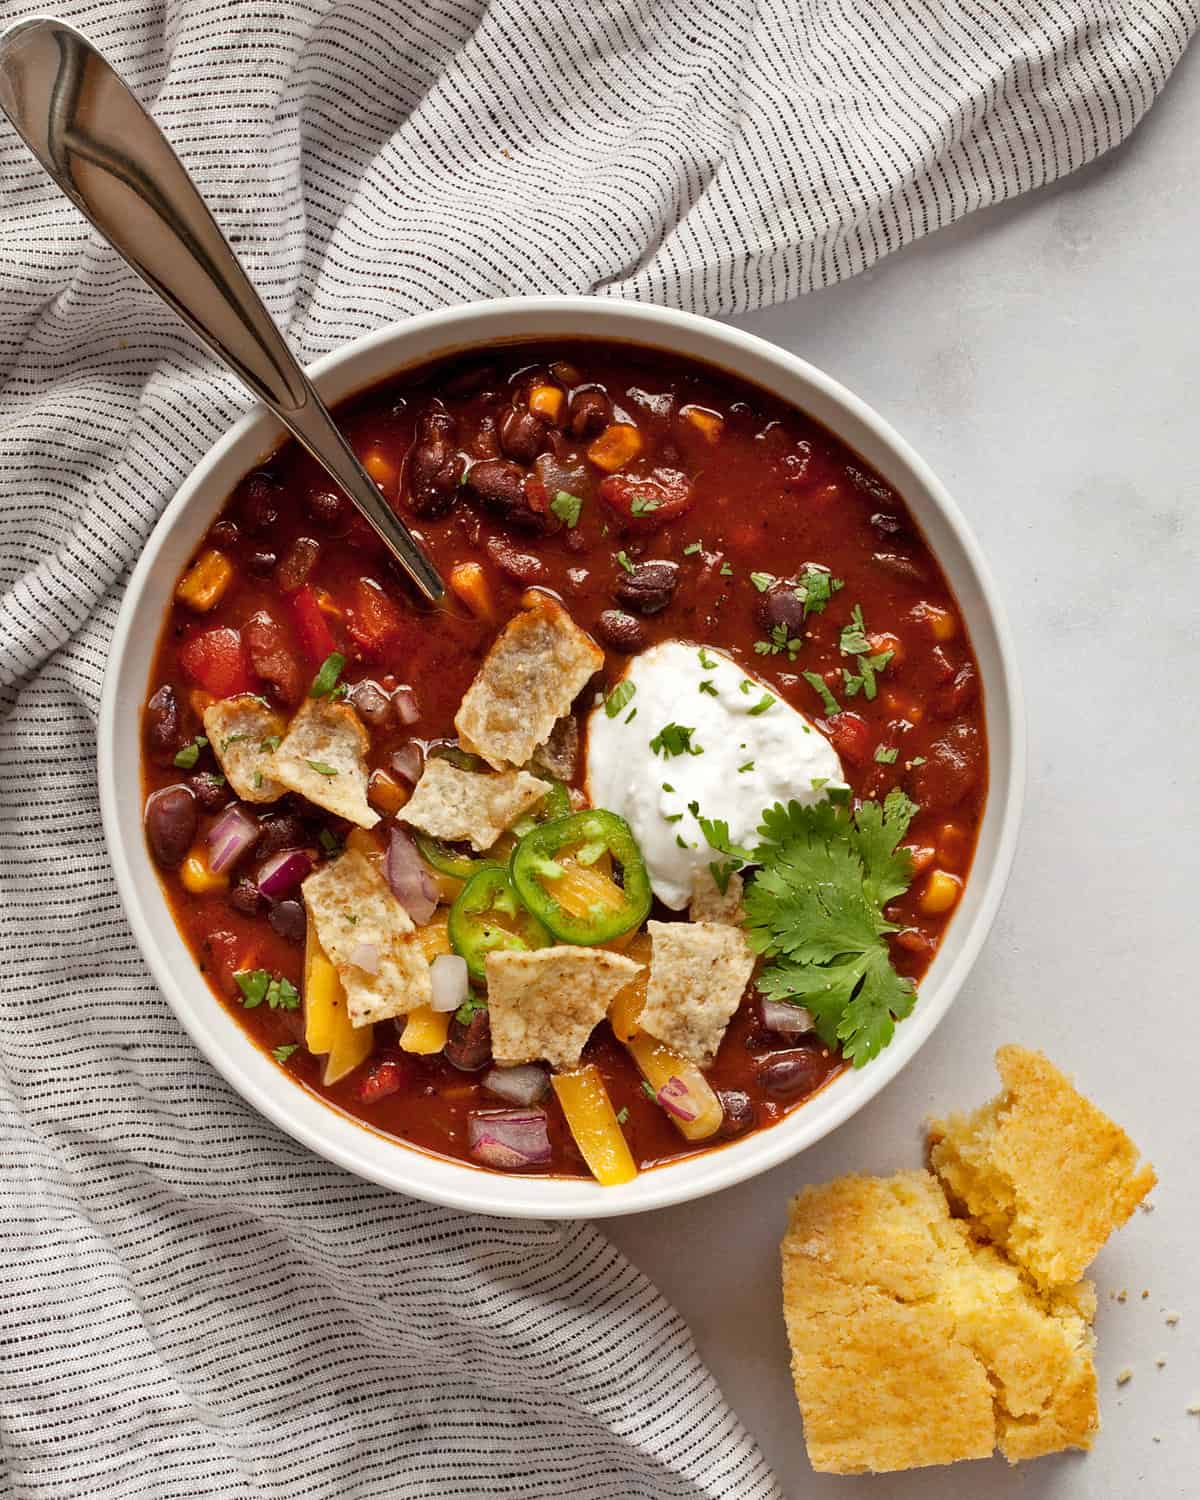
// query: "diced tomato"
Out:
[374,620]
[386,1076]
[645,504]
[225,958]
[851,738]
[312,628]
[216,661]
[535,495]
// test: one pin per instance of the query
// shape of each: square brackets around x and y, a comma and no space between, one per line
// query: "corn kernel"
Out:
[952,844]
[385,794]
[941,892]
[615,447]
[203,586]
[921,858]
[469,582]
[433,939]
[547,401]
[710,423]
[884,640]
[942,622]
[382,470]
[198,878]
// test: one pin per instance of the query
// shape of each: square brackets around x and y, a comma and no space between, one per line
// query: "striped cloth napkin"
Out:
[193,1305]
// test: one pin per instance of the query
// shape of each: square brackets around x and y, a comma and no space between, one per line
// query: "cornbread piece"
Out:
[323,757]
[546,1003]
[472,805]
[368,938]
[243,732]
[1040,1170]
[710,904]
[528,681]
[914,1345]
[698,972]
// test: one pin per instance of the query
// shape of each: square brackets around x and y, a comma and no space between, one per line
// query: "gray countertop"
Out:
[1043,357]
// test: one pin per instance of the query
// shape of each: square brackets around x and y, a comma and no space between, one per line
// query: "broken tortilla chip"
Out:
[546,1003]
[368,938]
[698,973]
[710,904]
[476,806]
[243,732]
[528,681]
[323,758]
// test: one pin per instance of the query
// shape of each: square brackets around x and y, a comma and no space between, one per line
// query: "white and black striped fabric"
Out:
[191,1304]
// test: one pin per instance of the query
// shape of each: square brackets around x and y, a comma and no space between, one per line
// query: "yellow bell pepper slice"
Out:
[425,1030]
[327,1028]
[658,1064]
[593,1122]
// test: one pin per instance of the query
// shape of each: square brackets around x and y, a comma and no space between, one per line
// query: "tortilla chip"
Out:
[560,754]
[710,904]
[327,736]
[237,728]
[528,681]
[356,917]
[473,805]
[698,973]
[546,1003]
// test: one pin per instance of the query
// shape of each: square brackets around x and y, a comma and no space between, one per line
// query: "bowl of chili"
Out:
[767,486]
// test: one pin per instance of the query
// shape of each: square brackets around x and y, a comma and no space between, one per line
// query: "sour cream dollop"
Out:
[754,750]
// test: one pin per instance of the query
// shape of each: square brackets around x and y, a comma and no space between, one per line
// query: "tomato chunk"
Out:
[374,620]
[645,504]
[216,661]
[312,628]
[851,737]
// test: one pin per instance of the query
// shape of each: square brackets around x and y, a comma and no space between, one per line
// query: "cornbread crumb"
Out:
[1124,1376]
[1040,1170]
[1171,1319]
[1194,1409]
[1122,1295]
[1160,1360]
[913,1345]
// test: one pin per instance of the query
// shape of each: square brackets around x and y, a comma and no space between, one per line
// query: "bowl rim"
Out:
[397,1165]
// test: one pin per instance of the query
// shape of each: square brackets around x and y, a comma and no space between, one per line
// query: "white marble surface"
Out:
[1043,357]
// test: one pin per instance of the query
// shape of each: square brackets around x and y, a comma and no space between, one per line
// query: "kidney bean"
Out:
[272,658]
[209,790]
[435,467]
[899,566]
[297,563]
[621,631]
[283,831]
[370,703]
[259,502]
[327,508]
[224,958]
[740,1114]
[469,1045]
[245,897]
[522,434]
[523,566]
[781,606]
[887,524]
[650,588]
[790,1075]
[162,721]
[223,534]
[957,694]
[261,564]
[950,771]
[500,485]
[486,442]
[852,739]
[171,818]
[288,919]
[590,412]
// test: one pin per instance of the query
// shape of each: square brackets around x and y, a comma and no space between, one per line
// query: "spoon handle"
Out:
[103,150]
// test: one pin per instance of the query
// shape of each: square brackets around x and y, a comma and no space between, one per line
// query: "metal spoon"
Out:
[109,157]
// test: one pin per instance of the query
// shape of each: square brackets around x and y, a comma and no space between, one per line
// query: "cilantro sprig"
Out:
[259,985]
[675,739]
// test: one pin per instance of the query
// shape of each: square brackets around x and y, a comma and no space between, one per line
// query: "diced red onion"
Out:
[282,873]
[521,1085]
[449,975]
[404,701]
[408,762]
[230,836]
[785,1018]
[370,702]
[676,1099]
[511,1139]
[365,956]
[410,880]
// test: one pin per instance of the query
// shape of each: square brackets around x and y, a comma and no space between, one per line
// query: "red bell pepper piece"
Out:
[374,619]
[644,504]
[312,628]
[216,661]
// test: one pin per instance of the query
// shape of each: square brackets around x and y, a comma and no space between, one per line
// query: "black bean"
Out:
[468,379]
[781,605]
[500,485]
[591,412]
[259,503]
[297,563]
[209,790]
[621,631]
[435,467]
[522,434]
[162,721]
[790,1075]
[223,533]
[740,1114]
[899,566]
[649,588]
[287,918]
[245,897]
[327,508]
[486,442]
[284,831]
[469,1044]
[171,817]
[372,705]
[261,564]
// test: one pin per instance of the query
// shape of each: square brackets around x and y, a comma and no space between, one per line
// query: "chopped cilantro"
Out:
[567,508]
[726,570]
[186,758]
[328,842]
[821,688]
[326,679]
[232,739]
[764,703]
[886,756]
[258,985]
[667,787]
[622,1114]
[706,661]
[470,1007]
[762,581]
[779,641]
[672,817]
[747,685]
[819,782]
[721,870]
[853,640]
[815,588]
[864,680]
[815,911]
[649,1092]
[271,743]
[681,841]
[675,739]
[631,715]
[643,505]
[619,697]
[321,768]
[284,1051]
[706,686]
[258,780]
[749,766]
[623,559]
[692,548]
[917,760]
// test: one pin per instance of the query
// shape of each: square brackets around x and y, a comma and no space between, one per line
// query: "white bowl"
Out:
[361,364]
